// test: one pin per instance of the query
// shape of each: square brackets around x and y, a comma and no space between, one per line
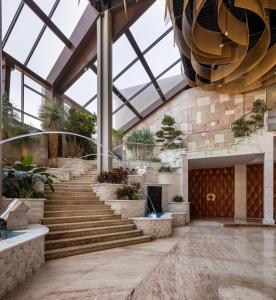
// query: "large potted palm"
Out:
[52,116]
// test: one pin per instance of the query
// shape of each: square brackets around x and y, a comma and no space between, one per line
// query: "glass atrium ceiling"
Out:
[146,61]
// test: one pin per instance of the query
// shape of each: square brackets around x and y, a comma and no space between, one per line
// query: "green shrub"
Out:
[128,192]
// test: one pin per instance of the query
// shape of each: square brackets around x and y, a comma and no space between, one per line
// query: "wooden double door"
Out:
[212,192]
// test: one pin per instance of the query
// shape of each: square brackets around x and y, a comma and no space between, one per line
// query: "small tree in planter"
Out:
[168,135]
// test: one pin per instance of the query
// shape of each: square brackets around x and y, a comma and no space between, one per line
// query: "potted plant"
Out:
[26,181]
[128,203]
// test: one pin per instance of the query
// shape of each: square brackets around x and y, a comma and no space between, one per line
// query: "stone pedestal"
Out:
[157,227]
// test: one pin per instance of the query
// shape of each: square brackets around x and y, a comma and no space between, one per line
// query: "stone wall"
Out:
[128,208]
[19,257]
[36,211]
[205,117]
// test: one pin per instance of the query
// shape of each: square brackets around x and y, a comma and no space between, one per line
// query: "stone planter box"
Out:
[106,191]
[178,219]
[175,207]
[157,227]
[128,208]
[20,256]
[36,211]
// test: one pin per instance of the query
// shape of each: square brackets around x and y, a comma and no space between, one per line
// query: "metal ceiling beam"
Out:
[13,22]
[125,101]
[11,61]
[118,94]
[69,67]
[144,52]
[71,62]
[41,33]
[137,50]
[44,18]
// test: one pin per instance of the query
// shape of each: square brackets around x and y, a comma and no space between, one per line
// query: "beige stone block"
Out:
[238,98]
[203,101]
[229,112]
[212,108]
[219,138]
[224,97]
[198,117]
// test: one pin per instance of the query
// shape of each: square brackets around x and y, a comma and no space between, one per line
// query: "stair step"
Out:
[70,193]
[75,202]
[76,207]
[88,231]
[69,251]
[65,213]
[57,197]
[69,189]
[79,241]
[87,225]
[76,219]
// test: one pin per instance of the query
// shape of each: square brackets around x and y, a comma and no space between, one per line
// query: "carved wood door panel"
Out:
[211,192]
[254,190]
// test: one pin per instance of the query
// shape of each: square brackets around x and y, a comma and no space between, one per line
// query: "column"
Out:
[268,180]
[104,100]
[184,177]
[240,192]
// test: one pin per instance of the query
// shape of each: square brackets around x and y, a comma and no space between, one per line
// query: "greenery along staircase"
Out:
[79,222]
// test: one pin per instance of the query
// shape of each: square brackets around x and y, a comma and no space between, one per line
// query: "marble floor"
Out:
[201,261]
[211,262]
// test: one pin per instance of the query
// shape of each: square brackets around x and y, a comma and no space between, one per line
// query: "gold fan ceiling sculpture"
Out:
[226,45]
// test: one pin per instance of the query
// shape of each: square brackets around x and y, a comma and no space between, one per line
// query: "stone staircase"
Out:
[79,222]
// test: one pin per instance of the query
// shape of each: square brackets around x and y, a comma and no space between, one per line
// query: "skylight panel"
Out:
[46,54]
[170,79]
[84,88]
[150,25]
[132,80]
[45,5]
[122,117]
[145,99]
[123,54]
[68,14]
[9,9]
[23,34]
[164,54]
